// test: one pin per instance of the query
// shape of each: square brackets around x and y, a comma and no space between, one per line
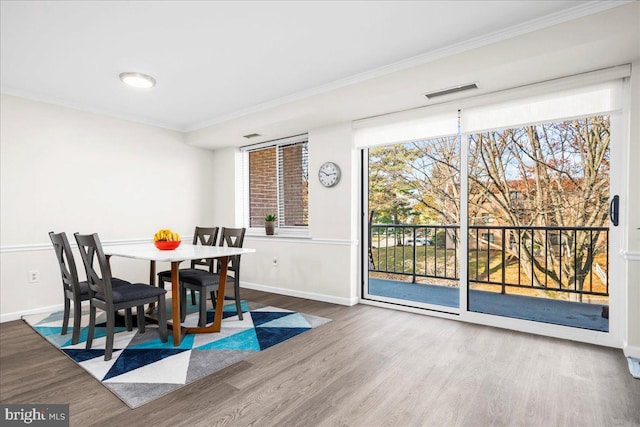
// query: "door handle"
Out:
[614,210]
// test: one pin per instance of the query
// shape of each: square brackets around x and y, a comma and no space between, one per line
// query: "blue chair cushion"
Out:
[204,279]
[133,292]
[183,272]
[84,288]
[115,283]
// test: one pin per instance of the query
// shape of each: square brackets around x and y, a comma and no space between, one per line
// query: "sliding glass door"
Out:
[499,211]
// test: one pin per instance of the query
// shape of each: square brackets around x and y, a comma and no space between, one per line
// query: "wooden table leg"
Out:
[217,319]
[175,303]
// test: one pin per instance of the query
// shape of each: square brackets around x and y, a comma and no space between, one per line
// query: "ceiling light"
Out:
[138,80]
[451,90]
[252,135]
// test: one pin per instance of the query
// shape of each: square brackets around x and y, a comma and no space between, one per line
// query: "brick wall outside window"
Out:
[263,185]
[293,187]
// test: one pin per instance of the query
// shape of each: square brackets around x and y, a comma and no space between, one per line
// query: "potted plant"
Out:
[269,224]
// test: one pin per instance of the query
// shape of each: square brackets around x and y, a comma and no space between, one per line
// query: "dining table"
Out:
[184,252]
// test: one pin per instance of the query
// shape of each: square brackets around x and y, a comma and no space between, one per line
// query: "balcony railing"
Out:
[572,260]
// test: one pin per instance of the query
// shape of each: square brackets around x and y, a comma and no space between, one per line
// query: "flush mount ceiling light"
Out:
[138,80]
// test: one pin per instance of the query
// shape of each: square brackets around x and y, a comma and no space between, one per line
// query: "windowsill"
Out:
[279,234]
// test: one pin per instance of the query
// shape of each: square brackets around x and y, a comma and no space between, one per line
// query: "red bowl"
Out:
[167,245]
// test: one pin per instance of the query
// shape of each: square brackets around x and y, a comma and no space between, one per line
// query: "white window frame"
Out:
[281,230]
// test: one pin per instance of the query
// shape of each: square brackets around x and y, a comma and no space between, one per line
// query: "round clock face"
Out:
[329,174]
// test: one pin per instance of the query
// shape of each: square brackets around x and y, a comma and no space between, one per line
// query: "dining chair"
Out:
[74,289]
[103,295]
[207,236]
[204,281]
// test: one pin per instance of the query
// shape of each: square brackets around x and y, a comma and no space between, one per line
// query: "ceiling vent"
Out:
[451,90]
[252,135]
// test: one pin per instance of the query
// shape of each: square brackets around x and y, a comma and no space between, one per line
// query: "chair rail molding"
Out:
[304,240]
[48,246]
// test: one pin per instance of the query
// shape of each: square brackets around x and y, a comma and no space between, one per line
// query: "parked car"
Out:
[420,241]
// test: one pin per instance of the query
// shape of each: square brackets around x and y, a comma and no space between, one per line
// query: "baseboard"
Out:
[255,286]
[18,314]
[300,294]
[631,351]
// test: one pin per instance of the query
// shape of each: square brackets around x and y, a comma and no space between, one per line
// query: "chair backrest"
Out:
[99,281]
[67,263]
[233,238]
[207,236]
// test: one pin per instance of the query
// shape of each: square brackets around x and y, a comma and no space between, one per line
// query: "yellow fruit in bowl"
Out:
[166,235]
[166,239]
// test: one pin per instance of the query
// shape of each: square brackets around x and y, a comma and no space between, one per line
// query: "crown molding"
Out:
[87,109]
[585,9]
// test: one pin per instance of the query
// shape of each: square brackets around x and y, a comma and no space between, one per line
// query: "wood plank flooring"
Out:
[368,367]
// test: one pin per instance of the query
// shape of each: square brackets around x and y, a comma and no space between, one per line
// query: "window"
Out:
[276,182]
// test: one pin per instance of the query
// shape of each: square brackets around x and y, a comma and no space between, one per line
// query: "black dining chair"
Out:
[204,281]
[103,295]
[207,236]
[74,289]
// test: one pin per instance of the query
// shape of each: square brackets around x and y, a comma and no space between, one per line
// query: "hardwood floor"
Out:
[368,367]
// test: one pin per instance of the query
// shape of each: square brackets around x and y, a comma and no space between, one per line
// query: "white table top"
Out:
[184,252]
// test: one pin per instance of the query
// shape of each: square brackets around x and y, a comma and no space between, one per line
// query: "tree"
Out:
[559,173]
[389,198]
[422,177]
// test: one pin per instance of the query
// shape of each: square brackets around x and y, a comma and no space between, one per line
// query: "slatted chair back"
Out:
[99,280]
[67,264]
[233,238]
[206,236]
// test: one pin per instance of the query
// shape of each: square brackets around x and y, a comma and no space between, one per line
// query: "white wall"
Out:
[67,170]
[324,266]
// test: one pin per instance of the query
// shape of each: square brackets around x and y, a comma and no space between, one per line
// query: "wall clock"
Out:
[329,174]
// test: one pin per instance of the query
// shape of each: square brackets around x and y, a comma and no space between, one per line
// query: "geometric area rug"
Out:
[143,368]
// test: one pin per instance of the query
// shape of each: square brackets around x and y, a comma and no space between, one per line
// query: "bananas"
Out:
[166,235]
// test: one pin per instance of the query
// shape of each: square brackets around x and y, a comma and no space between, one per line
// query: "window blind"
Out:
[406,126]
[578,96]
[585,94]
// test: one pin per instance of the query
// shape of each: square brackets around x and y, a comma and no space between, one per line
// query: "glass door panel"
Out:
[413,223]
[538,240]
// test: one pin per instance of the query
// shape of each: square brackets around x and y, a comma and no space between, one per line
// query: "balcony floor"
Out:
[566,313]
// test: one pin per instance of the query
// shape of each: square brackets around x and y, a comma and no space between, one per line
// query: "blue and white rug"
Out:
[634,367]
[144,368]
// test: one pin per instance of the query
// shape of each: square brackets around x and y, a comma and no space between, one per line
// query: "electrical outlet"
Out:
[34,276]
[275,261]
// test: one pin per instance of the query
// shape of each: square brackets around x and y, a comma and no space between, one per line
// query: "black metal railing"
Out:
[557,259]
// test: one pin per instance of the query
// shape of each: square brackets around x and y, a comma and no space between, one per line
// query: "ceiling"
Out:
[227,69]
